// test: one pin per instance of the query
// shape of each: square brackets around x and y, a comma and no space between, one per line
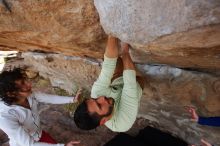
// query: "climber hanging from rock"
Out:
[116,93]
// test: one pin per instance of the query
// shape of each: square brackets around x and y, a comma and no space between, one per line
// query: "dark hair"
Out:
[7,84]
[85,120]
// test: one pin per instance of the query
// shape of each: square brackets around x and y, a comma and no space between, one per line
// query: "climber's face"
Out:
[102,105]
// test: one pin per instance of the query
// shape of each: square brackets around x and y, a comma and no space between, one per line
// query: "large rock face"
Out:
[186,32]
[143,21]
[183,33]
[68,27]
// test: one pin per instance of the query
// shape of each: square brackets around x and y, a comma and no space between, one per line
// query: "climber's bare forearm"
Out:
[112,47]
[127,62]
[126,58]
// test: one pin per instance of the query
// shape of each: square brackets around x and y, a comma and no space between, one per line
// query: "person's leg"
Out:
[123,139]
[154,137]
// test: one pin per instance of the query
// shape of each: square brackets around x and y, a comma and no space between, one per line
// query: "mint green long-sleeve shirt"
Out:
[126,92]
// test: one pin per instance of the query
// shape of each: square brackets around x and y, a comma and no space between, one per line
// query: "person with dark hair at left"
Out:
[115,95]
[19,117]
